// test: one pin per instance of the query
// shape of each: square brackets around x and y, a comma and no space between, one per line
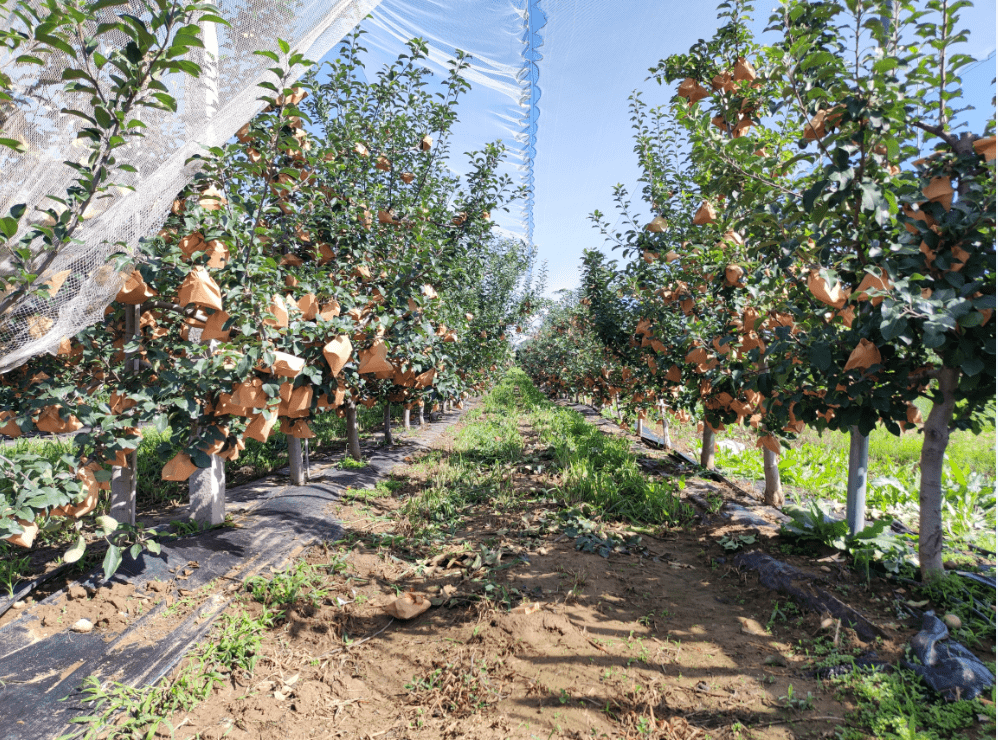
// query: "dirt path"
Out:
[660,638]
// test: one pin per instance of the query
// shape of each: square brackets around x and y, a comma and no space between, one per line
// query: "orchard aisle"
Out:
[538,613]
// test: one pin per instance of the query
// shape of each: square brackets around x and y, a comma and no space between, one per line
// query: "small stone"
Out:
[953,621]
[827,623]
[84,626]
[776,660]
[19,604]
[826,569]
[951,565]
[76,593]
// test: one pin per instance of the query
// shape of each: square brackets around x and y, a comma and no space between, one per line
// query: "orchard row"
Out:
[820,248]
[327,257]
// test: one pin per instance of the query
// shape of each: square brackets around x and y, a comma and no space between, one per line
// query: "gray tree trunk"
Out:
[773,494]
[859,454]
[422,421]
[123,487]
[296,461]
[930,494]
[124,480]
[207,490]
[708,447]
[666,438]
[389,440]
[353,433]
[405,418]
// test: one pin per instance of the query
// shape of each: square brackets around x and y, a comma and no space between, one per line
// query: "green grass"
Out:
[817,465]
[473,471]
[596,468]
[889,453]
[382,489]
[898,706]
[593,469]
[121,712]
[13,569]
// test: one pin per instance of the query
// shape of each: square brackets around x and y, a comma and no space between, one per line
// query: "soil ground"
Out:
[661,638]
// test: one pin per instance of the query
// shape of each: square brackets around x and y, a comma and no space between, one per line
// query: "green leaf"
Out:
[284,46]
[56,43]
[971,319]
[893,327]
[76,551]
[8,226]
[821,356]
[13,144]
[101,4]
[154,547]
[972,366]
[111,561]
[107,524]
[201,459]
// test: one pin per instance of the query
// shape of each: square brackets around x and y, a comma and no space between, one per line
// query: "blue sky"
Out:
[595,53]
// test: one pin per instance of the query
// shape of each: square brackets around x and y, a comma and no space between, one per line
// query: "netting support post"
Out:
[124,481]
[296,462]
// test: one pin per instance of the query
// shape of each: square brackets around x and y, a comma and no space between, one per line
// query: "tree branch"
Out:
[937,131]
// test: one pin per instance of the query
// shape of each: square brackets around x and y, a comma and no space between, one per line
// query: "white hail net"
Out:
[502,36]
[210,110]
